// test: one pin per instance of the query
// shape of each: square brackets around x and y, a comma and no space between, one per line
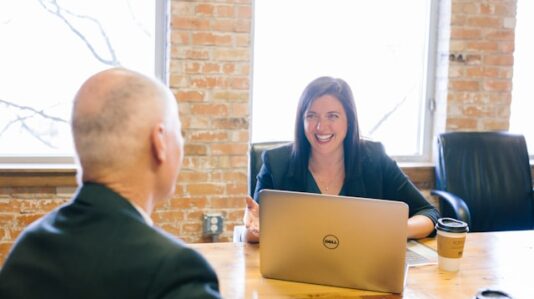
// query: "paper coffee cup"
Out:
[451,240]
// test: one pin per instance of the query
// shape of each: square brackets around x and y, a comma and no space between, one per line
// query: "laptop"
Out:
[333,240]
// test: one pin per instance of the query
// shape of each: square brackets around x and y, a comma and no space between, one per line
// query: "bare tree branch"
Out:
[36,135]
[22,120]
[35,111]
[12,122]
[385,117]
[60,13]
[136,21]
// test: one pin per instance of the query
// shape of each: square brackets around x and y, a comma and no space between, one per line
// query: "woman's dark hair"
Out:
[339,89]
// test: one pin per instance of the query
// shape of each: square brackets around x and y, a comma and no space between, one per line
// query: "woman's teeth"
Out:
[324,138]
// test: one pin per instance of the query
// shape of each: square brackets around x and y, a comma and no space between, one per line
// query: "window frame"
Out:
[430,88]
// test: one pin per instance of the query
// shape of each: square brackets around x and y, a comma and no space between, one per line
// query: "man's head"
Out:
[125,125]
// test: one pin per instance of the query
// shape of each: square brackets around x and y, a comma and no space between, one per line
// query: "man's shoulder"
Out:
[41,226]
[172,255]
[166,244]
[163,239]
[171,247]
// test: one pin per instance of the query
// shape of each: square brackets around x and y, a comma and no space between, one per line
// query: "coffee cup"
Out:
[451,240]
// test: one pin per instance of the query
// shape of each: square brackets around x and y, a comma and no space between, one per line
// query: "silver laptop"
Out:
[333,240]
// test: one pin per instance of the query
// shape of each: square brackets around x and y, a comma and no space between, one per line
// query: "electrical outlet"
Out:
[212,224]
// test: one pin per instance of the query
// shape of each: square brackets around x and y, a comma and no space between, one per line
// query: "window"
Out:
[49,47]
[381,48]
[523,89]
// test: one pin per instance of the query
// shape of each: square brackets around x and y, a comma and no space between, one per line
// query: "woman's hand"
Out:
[252,221]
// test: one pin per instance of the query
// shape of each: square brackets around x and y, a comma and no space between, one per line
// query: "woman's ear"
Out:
[157,140]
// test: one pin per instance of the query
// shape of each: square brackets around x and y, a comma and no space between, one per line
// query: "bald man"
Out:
[103,243]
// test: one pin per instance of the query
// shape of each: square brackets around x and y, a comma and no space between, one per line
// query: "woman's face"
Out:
[325,124]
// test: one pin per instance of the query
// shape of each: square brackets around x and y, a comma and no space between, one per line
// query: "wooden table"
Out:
[502,260]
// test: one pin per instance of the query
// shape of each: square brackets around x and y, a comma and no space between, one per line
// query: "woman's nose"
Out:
[319,124]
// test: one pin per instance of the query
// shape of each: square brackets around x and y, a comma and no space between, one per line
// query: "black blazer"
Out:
[379,177]
[99,246]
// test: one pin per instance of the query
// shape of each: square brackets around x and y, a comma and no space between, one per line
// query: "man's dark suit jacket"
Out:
[99,246]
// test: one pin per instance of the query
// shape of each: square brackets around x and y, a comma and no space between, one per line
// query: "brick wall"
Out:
[210,74]
[480,65]
[20,206]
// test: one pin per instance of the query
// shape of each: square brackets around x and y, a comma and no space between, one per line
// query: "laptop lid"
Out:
[333,240]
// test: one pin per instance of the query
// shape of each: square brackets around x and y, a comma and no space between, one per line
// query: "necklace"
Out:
[330,176]
[325,185]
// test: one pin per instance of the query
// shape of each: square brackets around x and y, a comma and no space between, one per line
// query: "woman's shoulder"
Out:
[281,150]
[371,148]
[276,161]
[374,154]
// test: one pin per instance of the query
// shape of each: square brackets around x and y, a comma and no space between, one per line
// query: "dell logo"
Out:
[330,241]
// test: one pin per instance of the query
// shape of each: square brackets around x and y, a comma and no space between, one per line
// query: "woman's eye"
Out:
[333,116]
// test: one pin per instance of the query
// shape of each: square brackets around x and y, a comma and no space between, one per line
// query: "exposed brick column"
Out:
[480,64]
[210,74]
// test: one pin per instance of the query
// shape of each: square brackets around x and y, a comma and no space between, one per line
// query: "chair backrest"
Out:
[490,171]
[255,162]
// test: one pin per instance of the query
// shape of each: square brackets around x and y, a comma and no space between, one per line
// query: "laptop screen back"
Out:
[333,240]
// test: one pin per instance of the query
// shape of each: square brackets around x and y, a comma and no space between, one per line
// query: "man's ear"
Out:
[157,140]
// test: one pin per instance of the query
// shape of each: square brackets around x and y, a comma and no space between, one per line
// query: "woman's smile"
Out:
[324,138]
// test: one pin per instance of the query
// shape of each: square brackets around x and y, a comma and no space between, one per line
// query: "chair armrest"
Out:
[456,205]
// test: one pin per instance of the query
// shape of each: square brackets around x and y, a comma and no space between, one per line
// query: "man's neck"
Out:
[135,190]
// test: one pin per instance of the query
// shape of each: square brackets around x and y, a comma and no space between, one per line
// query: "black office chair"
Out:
[255,162]
[484,179]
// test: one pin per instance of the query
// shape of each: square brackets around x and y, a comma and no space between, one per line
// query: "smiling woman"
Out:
[74,39]
[328,156]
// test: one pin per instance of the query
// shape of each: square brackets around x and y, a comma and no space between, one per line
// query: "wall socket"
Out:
[212,224]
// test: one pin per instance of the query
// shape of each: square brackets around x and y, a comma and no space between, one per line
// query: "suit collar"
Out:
[145,215]
[103,198]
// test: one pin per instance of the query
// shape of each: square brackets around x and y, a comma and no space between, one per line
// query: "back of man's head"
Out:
[113,115]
